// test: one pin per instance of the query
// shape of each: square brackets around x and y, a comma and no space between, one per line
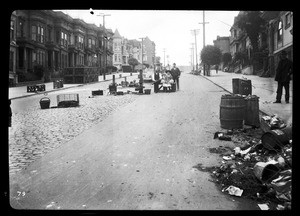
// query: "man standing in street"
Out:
[283,77]
[175,72]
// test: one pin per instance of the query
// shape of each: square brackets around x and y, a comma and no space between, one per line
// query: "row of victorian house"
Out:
[142,50]
[54,41]
[277,36]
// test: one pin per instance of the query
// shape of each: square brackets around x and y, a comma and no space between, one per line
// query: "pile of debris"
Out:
[272,122]
[253,171]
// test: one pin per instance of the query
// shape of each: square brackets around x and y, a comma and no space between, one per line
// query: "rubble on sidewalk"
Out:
[271,122]
[252,171]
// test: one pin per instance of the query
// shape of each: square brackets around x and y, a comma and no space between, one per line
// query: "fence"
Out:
[80,75]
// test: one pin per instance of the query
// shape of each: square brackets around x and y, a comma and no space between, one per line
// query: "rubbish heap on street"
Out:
[254,170]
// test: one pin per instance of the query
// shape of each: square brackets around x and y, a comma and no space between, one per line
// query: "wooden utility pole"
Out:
[195,32]
[192,56]
[141,72]
[164,57]
[204,23]
[105,43]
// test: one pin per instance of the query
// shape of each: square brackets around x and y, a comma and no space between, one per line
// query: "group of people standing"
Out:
[168,78]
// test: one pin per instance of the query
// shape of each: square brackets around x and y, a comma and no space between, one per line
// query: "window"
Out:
[11,60]
[57,37]
[12,30]
[42,35]
[236,47]
[279,31]
[76,40]
[66,40]
[49,34]
[62,60]
[33,56]
[39,56]
[62,39]
[287,20]
[90,43]
[93,43]
[33,33]
[21,28]
[234,33]
[80,41]
[69,38]
[66,60]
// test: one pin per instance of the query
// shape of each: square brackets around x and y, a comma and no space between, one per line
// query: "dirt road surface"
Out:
[140,157]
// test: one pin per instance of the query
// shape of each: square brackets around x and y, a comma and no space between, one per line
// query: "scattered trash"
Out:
[272,122]
[245,151]
[262,174]
[232,190]
[247,157]
[280,207]
[281,162]
[265,172]
[237,150]
[227,158]
[263,206]
[229,132]
[275,139]
[221,136]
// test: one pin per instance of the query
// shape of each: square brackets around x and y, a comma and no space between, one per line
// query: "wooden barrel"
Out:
[232,111]
[252,111]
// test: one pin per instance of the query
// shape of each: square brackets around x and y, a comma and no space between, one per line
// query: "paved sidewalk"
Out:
[264,88]
[20,92]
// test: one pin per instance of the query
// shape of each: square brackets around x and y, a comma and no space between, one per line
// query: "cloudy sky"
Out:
[169,29]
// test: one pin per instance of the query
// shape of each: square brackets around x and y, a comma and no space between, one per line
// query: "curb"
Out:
[53,90]
[262,112]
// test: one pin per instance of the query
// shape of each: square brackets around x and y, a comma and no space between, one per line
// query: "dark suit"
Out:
[175,72]
[283,77]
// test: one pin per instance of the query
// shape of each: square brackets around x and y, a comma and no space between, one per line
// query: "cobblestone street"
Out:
[36,131]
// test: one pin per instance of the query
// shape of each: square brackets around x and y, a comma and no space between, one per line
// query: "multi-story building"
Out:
[149,48]
[134,48]
[118,49]
[109,47]
[55,41]
[122,49]
[125,49]
[13,50]
[279,36]
[223,44]
[240,43]
[238,40]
